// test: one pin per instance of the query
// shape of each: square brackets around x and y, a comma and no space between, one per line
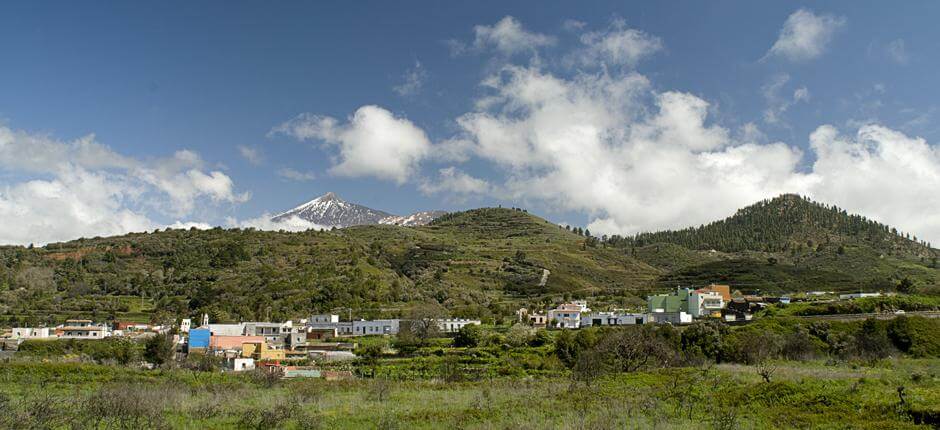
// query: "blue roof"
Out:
[199,338]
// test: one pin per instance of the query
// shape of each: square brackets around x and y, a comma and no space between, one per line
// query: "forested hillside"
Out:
[790,243]
[789,223]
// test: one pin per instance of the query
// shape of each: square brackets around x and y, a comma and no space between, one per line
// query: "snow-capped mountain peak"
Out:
[330,210]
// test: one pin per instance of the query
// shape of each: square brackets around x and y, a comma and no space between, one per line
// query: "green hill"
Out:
[476,263]
[785,244]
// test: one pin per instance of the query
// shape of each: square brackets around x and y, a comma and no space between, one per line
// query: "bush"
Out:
[159,349]
[703,339]
[469,336]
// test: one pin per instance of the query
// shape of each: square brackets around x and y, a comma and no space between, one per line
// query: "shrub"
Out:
[469,336]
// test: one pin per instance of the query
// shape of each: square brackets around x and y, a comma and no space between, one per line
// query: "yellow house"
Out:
[260,351]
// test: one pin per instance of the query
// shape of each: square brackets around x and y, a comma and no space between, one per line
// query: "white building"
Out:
[454,325]
[613,319]
[568,315]
[703,304]
[32,333]
[226,329]
[323,319]
[240,364]
[82,329]
[185,325]
[671,318]
[858,295]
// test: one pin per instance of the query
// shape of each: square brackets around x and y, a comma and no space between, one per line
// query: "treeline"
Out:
[591,353]
[782,224]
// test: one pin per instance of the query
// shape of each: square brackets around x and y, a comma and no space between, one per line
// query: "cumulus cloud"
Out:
[617,45]
[635,159]
[881,173]
[453,181]
[296,175]
[251,154]
[413,81]
[83,188]
[805,35]
[373,142]
[612,147]
[507,37]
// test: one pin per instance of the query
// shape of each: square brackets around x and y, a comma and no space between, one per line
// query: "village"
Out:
[300,348]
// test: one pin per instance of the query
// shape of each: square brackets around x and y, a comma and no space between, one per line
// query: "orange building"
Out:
[232,342]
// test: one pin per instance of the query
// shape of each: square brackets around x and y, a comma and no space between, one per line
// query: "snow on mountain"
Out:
[417,218]
[330,210]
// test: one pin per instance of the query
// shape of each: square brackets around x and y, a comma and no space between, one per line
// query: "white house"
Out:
[240,364]
[32,333]
[705,303]
[82,329]
[568,315]
[454,325]
[323,319]
[371,327]
[613,319]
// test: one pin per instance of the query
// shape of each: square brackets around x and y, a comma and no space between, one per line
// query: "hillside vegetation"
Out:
[479,263]
[476,263]
[789,243]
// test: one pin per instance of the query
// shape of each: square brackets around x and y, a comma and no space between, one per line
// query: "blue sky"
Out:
[212,113]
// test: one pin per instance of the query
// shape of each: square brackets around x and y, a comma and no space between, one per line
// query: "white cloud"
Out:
[264,222]
[83,188]
[186,225]
[880,173]
[594,143]
[77,203]
[599,144]
[453,181]
[573,25]
[508,37]
[777,104]
[373,142]
[618,45]
[296,175]
[413,81]
[252,154]
[897,51]
[805,35]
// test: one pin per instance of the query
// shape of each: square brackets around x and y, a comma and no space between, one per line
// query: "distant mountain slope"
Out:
[331,211]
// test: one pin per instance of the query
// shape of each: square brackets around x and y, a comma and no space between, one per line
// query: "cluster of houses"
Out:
[86,329]
[678,307]
[246,345]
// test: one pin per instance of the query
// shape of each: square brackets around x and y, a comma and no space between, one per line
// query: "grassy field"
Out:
[800,395]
